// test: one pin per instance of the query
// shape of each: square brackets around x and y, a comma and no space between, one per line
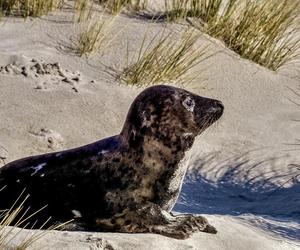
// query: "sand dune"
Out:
[240,173]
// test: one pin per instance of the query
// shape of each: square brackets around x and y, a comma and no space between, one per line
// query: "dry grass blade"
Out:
[204,9]
[83,10]
[17,216]
[96,36]
[7,217]
[261,31]
[176,10]
[207,10]
[34,237]
[116,6]
[28,8]
[165,59]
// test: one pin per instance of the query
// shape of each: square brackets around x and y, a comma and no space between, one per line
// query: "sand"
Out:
[240,173]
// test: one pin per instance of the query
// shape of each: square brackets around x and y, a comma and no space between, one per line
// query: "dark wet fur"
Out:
[125,183]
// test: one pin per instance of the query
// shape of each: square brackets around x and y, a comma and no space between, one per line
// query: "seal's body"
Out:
[125,183]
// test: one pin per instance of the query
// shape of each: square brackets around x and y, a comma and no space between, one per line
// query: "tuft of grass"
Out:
[206,10]
[116,6]
[83,10]
[95,37]
[164,59]
[261,31]
[176,9]
[28,8]
[17,216]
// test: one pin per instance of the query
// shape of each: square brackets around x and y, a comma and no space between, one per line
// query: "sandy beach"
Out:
[243,173]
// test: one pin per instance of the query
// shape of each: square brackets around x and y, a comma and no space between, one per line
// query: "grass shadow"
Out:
[240,189]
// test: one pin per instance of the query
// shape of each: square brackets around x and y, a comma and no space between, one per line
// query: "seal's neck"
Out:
[159,157]
[162,167]
[167,146]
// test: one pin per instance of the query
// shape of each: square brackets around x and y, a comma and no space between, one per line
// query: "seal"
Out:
[124,183]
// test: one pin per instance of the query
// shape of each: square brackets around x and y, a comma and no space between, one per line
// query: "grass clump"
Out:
[95,37]
[26,8]
[207,10]
[7,217]
[204,9]
[83,10]
[261,31]
[18,216]
[116,6]
[176,10]
[165,59]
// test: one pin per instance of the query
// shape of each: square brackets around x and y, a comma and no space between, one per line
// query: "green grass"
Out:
[165,59]
[28,8]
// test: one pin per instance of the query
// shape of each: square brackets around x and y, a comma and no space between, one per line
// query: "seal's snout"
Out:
[216,107]
[219,104]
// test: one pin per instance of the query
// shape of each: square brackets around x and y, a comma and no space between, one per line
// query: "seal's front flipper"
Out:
[183,226]
[152,219]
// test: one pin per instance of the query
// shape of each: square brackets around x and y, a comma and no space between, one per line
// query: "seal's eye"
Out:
[189,104]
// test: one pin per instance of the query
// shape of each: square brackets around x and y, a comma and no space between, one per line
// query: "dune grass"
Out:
[207,10]
[177,10]
[26,8]
[261,31]
[165,59]
[18,216]
[96,36]
[180,10]
[116,6]
[83,10]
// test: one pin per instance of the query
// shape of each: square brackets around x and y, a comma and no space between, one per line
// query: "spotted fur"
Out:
[128,182]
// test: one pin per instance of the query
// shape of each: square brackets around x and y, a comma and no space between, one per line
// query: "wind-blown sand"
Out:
[240,172]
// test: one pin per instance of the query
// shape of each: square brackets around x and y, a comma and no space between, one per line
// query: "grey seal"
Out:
[125,183]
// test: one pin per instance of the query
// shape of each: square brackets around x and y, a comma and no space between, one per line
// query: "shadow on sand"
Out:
[253,191]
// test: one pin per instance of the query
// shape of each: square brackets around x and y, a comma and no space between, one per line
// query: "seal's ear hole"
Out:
[146,115]
[132,136]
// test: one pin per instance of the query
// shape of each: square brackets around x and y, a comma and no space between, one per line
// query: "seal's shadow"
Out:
[237,192]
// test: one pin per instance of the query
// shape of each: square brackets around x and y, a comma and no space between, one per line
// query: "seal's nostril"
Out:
[216,106]
[219,104]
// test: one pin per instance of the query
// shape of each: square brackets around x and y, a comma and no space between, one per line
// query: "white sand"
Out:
[233,234]
[235,164]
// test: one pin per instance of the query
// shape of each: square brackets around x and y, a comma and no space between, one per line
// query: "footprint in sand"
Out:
[46,75]
[98,243]
[53,139]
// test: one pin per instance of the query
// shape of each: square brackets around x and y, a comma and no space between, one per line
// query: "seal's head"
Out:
[168,114]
